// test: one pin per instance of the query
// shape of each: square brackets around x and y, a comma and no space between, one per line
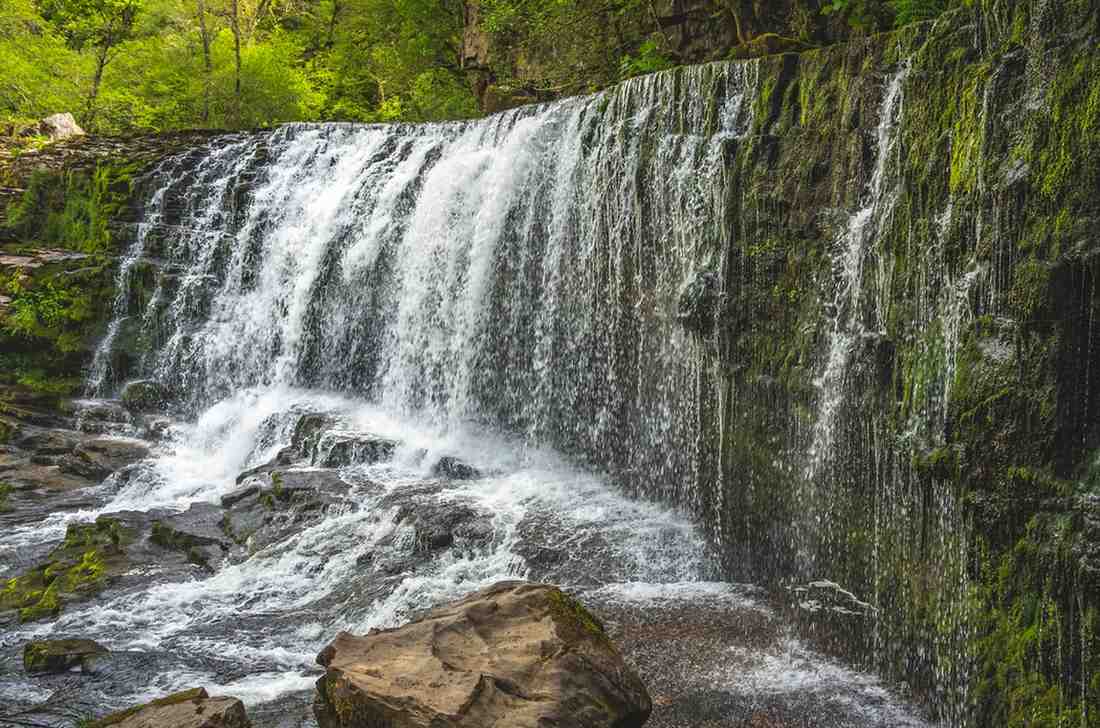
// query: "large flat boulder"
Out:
[189,709]
[515,655]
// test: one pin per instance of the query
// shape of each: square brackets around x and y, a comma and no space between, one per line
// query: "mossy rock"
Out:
[192,707]
[90,555]
[55,656]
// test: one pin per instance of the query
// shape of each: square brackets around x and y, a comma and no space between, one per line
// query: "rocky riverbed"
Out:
[224,553]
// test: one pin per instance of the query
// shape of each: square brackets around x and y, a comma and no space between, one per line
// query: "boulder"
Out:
[99,457]
[189,709]
[515,655]
[454,469]
[56,127]
[45,656]
[49,442]
[144,395]
[278,503]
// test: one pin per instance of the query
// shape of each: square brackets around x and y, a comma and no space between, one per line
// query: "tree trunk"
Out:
[207,62]
[237,60]
[97,79]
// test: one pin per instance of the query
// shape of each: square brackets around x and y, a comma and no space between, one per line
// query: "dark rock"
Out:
[454,469]
[438,525]
[144,395]
[515,654]
[197,533]
[279,503]
[698,302]
[188,709]
[319,440]
[59,655]
[339,449]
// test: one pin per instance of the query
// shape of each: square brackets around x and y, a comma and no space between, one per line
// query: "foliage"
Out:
[873,15]
[40,75]
[647,60]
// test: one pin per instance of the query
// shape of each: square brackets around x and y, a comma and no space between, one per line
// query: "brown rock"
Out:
[189,709]
[515,655]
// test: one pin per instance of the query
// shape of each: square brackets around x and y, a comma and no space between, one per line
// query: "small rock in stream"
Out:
[56,656]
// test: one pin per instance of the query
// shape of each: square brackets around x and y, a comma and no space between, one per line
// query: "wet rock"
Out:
[515,654]
[189,709]
[698,302]
[439,525]
[144,395]
[339,449]
[46,656]
[154,427]
[100,410]
[197,533]
[454,469]
[99,457]
[279,503]
[80,566]
[320,440]
[21,473]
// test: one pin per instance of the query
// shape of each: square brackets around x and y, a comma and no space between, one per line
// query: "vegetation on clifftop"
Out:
[122,65]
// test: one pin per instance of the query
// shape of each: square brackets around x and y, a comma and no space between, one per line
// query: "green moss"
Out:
[570,615]
[80,566]
[5,494]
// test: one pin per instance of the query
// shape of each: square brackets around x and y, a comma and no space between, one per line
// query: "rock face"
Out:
[59,655]
[189,709]
[515,655]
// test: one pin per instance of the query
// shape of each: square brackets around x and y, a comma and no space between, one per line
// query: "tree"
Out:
[99,25]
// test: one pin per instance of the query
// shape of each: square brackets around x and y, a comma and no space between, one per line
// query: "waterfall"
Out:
[520,270]
[512,283]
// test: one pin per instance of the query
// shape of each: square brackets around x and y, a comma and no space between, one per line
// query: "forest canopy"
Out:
[124,65]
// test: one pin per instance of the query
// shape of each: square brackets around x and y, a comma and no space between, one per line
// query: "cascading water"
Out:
[504,291]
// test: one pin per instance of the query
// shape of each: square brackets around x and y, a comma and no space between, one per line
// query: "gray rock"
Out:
[56,127]
[99,457]
[55,656]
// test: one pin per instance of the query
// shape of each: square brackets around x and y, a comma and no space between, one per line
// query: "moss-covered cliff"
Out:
[67,212]
[956,491]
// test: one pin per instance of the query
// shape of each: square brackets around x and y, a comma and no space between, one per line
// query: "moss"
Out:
[577,622]
[5,495]
[169,538]
[80,566]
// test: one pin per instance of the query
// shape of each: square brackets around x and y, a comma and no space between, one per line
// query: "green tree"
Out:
[97,25]
[40,75]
